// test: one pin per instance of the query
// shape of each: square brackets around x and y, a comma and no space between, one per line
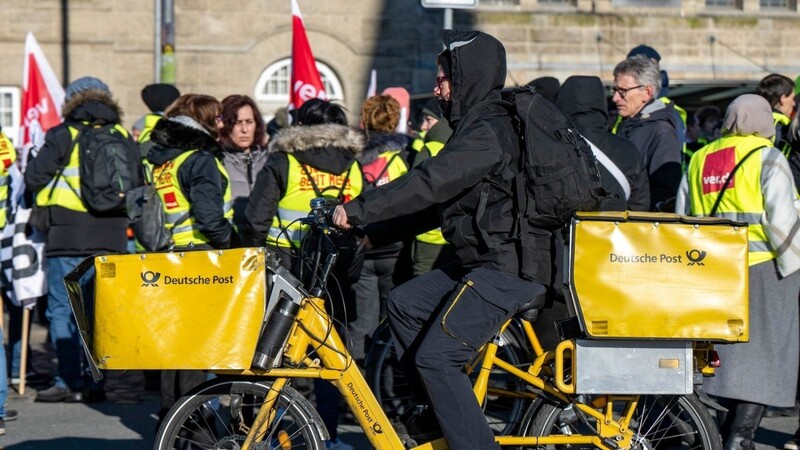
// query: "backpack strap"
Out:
[316,188]
[728,180]
[385,169]
[612,168]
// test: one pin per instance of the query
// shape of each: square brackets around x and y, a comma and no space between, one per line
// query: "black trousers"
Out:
[439,320]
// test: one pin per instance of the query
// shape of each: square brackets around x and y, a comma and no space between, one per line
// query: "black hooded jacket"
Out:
[198,177]
[448,189]
[330,148]
[74,233]
[582,99]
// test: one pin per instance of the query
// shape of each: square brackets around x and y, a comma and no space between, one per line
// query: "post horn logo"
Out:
[695,256]
[150,278]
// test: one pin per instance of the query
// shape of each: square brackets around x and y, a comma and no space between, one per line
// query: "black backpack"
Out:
[559,171]
[110,166]
[148,218]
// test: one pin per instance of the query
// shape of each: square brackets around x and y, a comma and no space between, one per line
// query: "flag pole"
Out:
[23,359]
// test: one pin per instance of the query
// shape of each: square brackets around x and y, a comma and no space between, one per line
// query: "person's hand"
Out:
[340,218]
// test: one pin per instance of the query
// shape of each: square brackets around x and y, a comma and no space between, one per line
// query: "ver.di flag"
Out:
[42,99]
[306,82]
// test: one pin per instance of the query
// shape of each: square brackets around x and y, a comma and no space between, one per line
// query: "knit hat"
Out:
[159,96]
[547,86]
[85,84]
[432,109]
[645,50]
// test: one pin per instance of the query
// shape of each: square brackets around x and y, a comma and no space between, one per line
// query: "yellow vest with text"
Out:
[742,200]
[396,168]
[285,230]
[64,189]
[177,206]
[8,155]
[434,236]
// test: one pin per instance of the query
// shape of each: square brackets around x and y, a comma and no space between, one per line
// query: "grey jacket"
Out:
[243,168]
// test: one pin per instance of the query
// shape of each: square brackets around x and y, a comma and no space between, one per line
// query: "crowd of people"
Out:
[437,246]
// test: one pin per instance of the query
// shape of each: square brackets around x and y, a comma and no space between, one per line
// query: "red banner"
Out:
[306,82]
[42,97]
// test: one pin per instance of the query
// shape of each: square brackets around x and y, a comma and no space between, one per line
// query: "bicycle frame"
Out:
[314,329]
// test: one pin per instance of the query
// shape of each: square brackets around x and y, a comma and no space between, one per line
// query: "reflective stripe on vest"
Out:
[284,231]
[7,157]
[742,200]
[434,236]
[65,189]
[176,205]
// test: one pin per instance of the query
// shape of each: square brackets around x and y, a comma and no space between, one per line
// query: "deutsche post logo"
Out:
[150,278]
[695,256]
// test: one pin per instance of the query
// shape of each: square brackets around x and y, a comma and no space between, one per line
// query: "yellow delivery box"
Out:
[177,310]
[659,276]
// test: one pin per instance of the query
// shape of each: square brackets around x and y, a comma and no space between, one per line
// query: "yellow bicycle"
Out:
[584,393]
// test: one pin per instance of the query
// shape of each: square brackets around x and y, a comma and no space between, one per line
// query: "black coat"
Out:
[582,99]
[447,189]
[198,177]
[74,233]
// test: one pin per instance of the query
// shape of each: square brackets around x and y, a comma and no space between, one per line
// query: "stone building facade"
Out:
[242,46]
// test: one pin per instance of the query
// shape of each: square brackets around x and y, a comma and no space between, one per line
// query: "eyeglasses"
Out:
[623,91]
[440,80]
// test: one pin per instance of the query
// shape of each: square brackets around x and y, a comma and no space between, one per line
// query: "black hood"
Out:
[173,138]
[583,99]
[477,66]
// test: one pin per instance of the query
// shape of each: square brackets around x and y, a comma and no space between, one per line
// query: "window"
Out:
[647,3]
[721,4]
[774,4]
[273,84]
[9,111]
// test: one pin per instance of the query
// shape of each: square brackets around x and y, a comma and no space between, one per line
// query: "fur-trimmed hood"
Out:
[381,143]
[176,135]
[92,105]
[331,148]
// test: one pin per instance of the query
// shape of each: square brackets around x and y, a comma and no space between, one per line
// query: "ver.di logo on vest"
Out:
[150,278]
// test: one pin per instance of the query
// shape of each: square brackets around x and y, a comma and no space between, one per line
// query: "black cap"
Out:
[645,50]
[432,108]
[159,96]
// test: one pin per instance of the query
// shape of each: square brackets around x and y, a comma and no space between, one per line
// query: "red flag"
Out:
[42,98]
[306,82]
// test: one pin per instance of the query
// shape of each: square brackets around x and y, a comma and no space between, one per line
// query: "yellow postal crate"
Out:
[660,276]
[187,310]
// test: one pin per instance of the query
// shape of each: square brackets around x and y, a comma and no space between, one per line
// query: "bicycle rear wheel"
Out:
[388,381]
[659,422]
[217,415]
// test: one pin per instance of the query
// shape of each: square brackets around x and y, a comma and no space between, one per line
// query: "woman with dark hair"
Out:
[314,158]
[243,139]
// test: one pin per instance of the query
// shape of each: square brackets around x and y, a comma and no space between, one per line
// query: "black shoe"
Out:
[94,395]
[418,425]
[56,393]
[11,415]
[773,411]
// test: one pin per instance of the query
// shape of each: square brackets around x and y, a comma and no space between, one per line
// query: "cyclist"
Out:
[442,317]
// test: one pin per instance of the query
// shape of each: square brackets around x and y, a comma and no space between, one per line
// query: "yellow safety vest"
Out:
[782,120]
[285,230]
[419,142]
[393,167]
[742,201]
[177,206]
[150,121]
[434,236]
[64,189]
[8,155]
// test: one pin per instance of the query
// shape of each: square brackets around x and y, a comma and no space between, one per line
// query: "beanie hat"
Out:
[159,96]
[547,87]
[645,50]
[432,109]
[85,84]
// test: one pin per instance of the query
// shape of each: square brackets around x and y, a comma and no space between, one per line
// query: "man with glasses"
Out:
[651,124]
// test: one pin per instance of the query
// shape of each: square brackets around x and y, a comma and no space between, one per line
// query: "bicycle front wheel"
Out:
[659,422]
[218,414]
